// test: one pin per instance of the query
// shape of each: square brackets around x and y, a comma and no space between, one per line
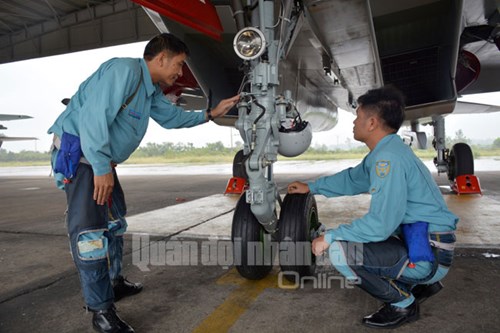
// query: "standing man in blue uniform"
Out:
[102,125]
[388,251]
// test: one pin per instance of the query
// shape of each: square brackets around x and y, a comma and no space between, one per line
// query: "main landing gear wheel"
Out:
[251,243]
[298,220]
[460,161]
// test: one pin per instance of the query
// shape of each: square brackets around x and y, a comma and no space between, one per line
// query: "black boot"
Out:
[424,291]
[107,321]
[389,316]
[123,288]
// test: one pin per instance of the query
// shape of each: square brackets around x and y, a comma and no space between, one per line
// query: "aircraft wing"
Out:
[13,116]
[16,138]
[5,117]
[469,107]
[4,138]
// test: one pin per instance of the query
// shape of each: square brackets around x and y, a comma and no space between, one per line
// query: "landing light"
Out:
[249,43]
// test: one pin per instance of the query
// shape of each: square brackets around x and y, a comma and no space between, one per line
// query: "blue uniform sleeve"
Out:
[388,191]
[116,80]
[169,115]
[350,181]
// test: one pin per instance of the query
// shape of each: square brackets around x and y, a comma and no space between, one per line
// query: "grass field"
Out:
[307,156]
[204,157]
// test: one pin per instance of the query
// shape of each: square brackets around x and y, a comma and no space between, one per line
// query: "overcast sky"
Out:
[36,87]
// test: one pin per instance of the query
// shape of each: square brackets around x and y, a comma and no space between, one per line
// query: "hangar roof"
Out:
[38,28]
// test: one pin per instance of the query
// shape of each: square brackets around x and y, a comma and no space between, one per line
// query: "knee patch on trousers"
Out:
[92,245]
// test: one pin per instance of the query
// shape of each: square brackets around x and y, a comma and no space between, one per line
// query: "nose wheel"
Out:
[298,223]
[252,249]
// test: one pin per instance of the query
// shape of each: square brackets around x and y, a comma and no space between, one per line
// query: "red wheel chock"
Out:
[466,184]
[236,185]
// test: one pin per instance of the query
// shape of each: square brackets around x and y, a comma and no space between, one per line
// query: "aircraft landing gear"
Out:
[252,246]
[457,163]
[255,249]
[461,170]
[460,161]
[269,124]
[298,223]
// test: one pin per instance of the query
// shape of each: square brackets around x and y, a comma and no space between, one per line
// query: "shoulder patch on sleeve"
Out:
[382,168]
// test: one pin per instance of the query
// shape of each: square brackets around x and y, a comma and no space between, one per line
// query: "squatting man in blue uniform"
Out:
[106,120]
[400,250]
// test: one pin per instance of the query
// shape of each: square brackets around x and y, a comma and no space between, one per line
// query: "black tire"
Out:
[298,218]
[239,169]
[460,161]
[251,244]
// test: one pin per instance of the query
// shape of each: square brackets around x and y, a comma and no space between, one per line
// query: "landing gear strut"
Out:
[266,121]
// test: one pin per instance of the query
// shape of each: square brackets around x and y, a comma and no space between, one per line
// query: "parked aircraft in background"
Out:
[294,63]
[5,117]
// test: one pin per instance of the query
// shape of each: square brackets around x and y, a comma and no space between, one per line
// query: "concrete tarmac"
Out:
[178,247]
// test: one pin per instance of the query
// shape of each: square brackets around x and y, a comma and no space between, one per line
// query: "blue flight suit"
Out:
[402,192]
[109,134]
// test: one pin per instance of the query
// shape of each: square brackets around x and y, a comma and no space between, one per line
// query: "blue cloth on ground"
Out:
[416,237]
[68,156]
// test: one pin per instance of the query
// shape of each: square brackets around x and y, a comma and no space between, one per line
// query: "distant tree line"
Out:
[24,156]
[496,143]
[173,150]
[166,149]
[459,137]
[169,149]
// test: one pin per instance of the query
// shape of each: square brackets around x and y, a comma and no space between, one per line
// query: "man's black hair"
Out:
[388,102]
[165,42]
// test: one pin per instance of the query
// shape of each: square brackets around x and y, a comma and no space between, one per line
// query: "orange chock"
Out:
[235,185]
[466,184]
